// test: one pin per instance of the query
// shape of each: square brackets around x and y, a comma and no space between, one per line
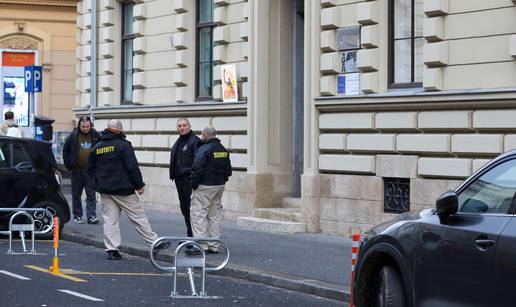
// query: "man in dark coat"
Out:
[210,172]
[76,150]
[181,160]
[116,176]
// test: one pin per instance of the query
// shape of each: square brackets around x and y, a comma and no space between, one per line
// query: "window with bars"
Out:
[396,195]
[204,50]
[406,43]
[127,53]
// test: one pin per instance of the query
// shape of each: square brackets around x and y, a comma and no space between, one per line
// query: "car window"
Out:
[5,155]
[20,155]
[492,192]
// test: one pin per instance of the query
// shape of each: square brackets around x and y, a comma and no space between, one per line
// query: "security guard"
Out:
[116,176]
[210,172]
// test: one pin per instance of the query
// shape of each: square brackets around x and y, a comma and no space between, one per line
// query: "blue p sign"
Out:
[33,79]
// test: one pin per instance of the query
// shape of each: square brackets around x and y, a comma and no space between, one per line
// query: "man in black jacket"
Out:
[181,160]
[116,176]
[76,150]
[210,172]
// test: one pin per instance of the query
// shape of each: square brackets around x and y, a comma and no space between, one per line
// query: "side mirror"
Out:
[447,204]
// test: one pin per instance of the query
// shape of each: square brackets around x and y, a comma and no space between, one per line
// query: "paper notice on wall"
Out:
[229,83]
[348,84]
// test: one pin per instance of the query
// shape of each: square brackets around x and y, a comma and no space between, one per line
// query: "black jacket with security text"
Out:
[113,165]
[212,165]
[182,155]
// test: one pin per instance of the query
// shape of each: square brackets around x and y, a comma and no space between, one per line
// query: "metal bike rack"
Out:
[22,228]
[189,262]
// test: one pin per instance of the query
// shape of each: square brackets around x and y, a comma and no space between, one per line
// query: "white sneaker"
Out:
[78,220]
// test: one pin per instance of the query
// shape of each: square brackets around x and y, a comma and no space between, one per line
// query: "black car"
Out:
[462,253]
[29,177]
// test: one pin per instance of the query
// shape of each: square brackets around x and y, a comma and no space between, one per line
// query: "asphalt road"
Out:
[90,279]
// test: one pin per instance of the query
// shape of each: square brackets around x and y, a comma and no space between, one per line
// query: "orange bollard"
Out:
[354,255]
[55,261]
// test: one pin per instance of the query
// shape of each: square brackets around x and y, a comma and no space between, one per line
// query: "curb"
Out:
[280,280]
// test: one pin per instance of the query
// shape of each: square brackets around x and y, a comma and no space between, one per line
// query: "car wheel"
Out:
[42,220]
[390,292]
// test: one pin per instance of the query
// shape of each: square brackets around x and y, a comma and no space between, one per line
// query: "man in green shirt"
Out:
[76,150]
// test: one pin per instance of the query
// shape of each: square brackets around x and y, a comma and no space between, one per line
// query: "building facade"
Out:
[346,112]
[38,33]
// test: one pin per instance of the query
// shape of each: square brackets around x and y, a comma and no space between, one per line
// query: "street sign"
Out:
[33,79]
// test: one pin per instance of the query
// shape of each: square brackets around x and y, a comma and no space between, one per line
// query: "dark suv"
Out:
[462,253]
[29,177]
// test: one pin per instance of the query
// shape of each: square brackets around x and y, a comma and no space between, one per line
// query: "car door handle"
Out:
[484,243]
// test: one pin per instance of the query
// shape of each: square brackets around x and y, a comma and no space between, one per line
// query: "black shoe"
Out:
[93,220]
[194,251]
[113,255]
[213,251]
[160,246]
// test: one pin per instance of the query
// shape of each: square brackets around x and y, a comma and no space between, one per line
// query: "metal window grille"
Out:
[396,195]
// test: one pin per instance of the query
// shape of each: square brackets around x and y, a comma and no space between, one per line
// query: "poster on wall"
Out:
[348,38]
[16,100]
[229,83]
[348,61]
[348,84]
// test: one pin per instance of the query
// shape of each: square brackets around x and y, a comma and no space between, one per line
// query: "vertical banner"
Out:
[229,83]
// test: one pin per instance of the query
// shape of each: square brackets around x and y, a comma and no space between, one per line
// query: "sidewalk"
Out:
[311,263]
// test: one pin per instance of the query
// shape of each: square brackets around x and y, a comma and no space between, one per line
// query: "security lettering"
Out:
[220,154]
[103,150]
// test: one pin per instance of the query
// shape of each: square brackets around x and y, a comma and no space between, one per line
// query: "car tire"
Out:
[390,291]
[41,221]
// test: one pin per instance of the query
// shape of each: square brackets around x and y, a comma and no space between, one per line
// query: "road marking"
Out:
[14,275]
[84,296]
[74,272]
[37,268]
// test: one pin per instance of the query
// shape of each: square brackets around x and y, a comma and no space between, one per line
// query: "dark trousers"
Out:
[81,180]
[184,191]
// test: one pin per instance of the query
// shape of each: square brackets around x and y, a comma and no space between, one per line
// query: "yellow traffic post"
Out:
[54,269]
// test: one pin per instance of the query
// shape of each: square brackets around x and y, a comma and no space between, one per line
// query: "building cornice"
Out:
[406,101]
[54,4]
[157,111]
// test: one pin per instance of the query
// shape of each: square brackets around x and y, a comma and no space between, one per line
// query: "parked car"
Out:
[29,177]
[462,253]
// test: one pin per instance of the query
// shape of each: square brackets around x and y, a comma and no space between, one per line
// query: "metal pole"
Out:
[93,77]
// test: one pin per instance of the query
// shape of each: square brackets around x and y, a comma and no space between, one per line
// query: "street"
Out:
[89,278]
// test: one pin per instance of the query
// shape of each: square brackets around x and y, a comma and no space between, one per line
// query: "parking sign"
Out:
[33,79]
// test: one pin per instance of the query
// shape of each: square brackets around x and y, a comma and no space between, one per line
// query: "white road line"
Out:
[84,296]
[14,275]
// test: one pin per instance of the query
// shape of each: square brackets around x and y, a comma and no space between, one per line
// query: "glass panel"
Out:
[402,61]
[128,54]
[492,192]
[402,18]
[128,18]
[418,59]
[205,80]
[128,86]
[418,20]
[5,154]
[205,10]
[20,156]
[205,45]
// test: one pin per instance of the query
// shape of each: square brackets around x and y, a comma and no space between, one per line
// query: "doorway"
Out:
[298,33]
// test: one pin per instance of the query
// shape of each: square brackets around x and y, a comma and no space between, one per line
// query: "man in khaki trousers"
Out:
[210,172]
[116,176]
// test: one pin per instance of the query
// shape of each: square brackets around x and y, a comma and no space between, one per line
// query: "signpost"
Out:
[33,84]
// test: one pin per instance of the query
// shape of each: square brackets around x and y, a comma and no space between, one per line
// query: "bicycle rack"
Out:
[189,262]
[22,228]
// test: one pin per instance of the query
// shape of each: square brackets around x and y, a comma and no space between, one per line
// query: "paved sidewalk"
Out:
[312,263]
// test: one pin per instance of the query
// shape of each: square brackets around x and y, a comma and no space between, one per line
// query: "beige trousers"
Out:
[112,207]
[206,213]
